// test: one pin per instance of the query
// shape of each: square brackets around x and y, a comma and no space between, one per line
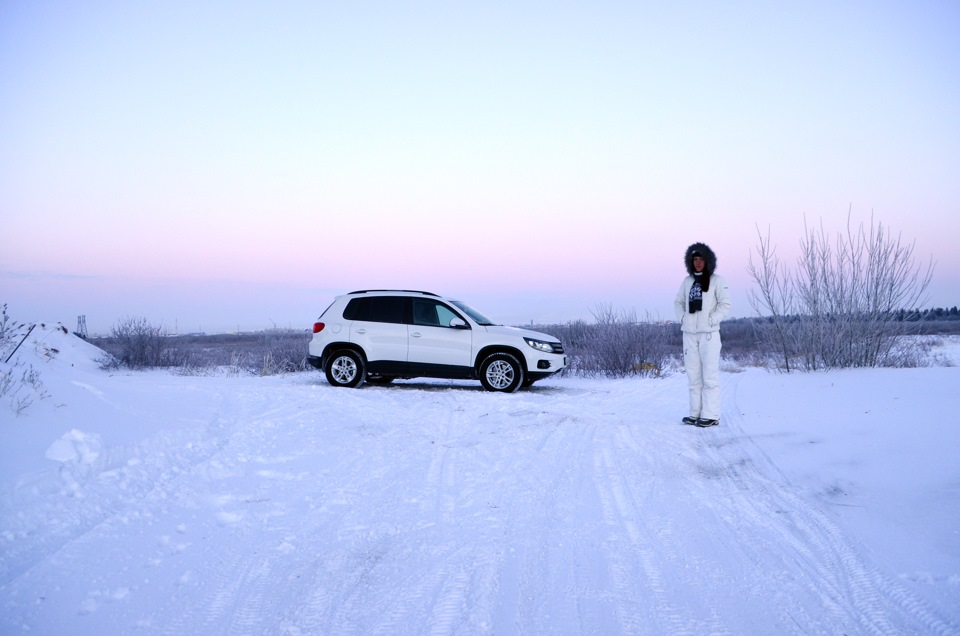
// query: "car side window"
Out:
[375,309]
[387,309]
[432,313]
[445,314]
[354,309]
[425,313]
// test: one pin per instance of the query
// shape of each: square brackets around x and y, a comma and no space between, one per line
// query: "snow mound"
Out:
[75,446]
[50,344]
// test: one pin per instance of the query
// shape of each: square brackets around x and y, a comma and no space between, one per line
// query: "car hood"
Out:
[518,331]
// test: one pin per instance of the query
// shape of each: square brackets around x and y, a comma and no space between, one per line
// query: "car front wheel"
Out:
[501,372]
[345,368]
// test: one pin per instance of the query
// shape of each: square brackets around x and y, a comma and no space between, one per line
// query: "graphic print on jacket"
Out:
[695,298]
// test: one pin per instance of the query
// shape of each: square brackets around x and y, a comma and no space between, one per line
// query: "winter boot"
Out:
[690,420]
[702,423]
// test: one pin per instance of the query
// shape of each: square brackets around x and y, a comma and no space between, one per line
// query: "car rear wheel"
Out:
[345,368]
[501,372]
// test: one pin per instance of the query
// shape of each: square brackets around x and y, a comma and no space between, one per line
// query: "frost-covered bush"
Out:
[283,352]
[137,344]
[261,353]
[616,345]
[20,383]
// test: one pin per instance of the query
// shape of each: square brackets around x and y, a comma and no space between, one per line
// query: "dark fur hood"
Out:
[707,255]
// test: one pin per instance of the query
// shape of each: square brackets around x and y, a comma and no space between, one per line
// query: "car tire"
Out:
[345,368]
[501,372]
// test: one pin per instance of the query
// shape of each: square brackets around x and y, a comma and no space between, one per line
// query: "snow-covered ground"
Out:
[149,502]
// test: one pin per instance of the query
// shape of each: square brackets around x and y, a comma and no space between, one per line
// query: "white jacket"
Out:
[716,306]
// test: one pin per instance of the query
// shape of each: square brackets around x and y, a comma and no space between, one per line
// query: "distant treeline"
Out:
[930,314]
[741,333]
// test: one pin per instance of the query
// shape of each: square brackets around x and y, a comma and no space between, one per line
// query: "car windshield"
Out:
[477,317]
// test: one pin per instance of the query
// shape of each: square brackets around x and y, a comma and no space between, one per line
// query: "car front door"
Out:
[433,340]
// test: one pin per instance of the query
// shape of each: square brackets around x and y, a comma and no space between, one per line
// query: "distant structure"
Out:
[82,326]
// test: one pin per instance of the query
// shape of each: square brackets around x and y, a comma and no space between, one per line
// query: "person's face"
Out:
[699,263]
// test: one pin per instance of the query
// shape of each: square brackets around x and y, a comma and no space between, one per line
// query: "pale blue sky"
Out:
[224,165]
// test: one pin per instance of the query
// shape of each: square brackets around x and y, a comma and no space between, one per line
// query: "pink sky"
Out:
[218,167]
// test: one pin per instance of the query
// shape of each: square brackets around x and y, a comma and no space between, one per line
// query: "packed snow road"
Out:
[281,505]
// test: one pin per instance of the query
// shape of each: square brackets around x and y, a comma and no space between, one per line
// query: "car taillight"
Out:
[318,327]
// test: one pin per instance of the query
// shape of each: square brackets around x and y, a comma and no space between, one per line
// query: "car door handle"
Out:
[416,334]
[361,331]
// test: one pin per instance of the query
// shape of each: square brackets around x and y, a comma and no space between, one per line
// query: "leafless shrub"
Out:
[22,385]
[20,404]
[6,329]
[842,306]
[774,298]
[616,345]
[107,361]
[261,353]
[239,364]
[282,352]
[19,382]
[139,344]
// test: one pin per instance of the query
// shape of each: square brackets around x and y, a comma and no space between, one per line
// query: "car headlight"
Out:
[539,345]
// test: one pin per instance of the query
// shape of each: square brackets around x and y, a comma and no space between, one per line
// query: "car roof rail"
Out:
[406,291]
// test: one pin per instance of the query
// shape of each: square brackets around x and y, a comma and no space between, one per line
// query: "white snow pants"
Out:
[701,359]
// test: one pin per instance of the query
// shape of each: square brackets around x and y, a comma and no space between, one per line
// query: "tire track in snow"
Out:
[632,617]
[236,605]
[853,592]
[687,575]
[438,595]
[138,474]
[626,468]
[623,474]
[494,559]
[533,490]
[435,592]
[645,552]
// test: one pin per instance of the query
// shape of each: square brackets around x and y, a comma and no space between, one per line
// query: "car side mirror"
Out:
[458,323]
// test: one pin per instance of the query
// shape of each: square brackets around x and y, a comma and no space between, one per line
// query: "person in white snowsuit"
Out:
[701,303]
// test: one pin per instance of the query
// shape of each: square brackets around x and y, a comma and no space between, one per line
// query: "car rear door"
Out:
[377,325]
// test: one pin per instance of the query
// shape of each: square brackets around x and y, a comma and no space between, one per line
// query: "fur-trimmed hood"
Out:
[704,250]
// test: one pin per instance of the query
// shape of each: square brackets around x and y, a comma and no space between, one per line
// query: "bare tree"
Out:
[774,299]
[842,306]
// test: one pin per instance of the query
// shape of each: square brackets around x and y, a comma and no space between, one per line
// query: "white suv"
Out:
[381,335]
